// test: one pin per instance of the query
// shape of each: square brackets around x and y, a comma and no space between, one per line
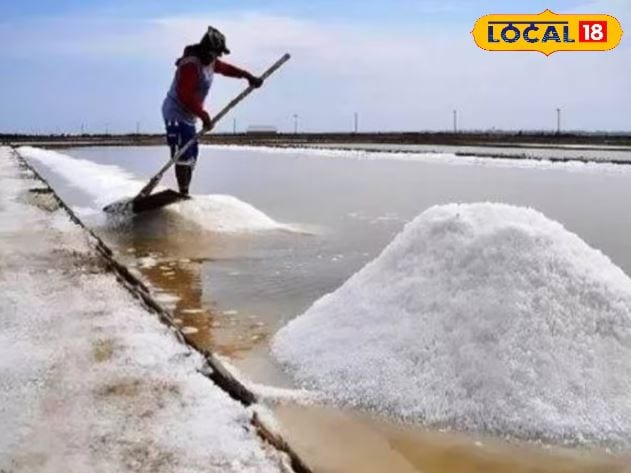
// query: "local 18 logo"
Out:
[547,32]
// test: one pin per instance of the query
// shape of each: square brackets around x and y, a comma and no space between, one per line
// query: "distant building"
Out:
[261,130]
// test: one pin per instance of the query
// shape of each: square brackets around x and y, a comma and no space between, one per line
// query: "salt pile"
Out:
[226,214]
[478,317]
[106,184]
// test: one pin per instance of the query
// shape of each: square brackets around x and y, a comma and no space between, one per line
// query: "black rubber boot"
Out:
[183,174]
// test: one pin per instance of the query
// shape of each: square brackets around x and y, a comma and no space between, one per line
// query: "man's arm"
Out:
[186,92]
[229,70]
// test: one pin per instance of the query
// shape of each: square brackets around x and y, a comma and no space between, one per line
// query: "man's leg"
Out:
[178,134]
[185,165]
[183,174]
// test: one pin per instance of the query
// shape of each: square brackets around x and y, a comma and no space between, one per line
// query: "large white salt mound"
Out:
[480,317]
[108,183]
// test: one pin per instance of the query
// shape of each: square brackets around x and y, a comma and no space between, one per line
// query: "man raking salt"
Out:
[183,105]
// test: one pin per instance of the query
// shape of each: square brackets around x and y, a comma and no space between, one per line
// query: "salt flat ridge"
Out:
[107,183]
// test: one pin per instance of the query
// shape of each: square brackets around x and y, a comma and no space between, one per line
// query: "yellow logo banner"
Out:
[547,32]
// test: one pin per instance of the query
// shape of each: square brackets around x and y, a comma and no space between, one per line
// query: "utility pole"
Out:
[558,121]
[356,127]
[82,129]
[234,126]
[138,128]
[455,112]
[107,128]
[296,123]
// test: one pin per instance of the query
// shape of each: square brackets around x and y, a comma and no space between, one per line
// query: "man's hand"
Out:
[206,123]
[254,81]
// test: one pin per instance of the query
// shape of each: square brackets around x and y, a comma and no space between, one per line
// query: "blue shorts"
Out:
[178,134]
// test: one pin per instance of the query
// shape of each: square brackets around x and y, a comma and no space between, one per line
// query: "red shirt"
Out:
[189,78]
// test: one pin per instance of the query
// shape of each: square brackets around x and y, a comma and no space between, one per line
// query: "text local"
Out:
[511,33]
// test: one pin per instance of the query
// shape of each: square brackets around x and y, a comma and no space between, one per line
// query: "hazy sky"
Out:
[401,65]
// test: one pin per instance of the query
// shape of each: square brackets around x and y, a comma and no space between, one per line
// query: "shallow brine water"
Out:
[232,290]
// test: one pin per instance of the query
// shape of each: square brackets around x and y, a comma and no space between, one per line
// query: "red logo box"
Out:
[592,31]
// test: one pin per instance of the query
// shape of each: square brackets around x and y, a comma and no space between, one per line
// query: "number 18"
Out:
[593,31]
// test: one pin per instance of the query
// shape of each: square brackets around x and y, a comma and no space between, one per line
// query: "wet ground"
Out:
[232,292]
